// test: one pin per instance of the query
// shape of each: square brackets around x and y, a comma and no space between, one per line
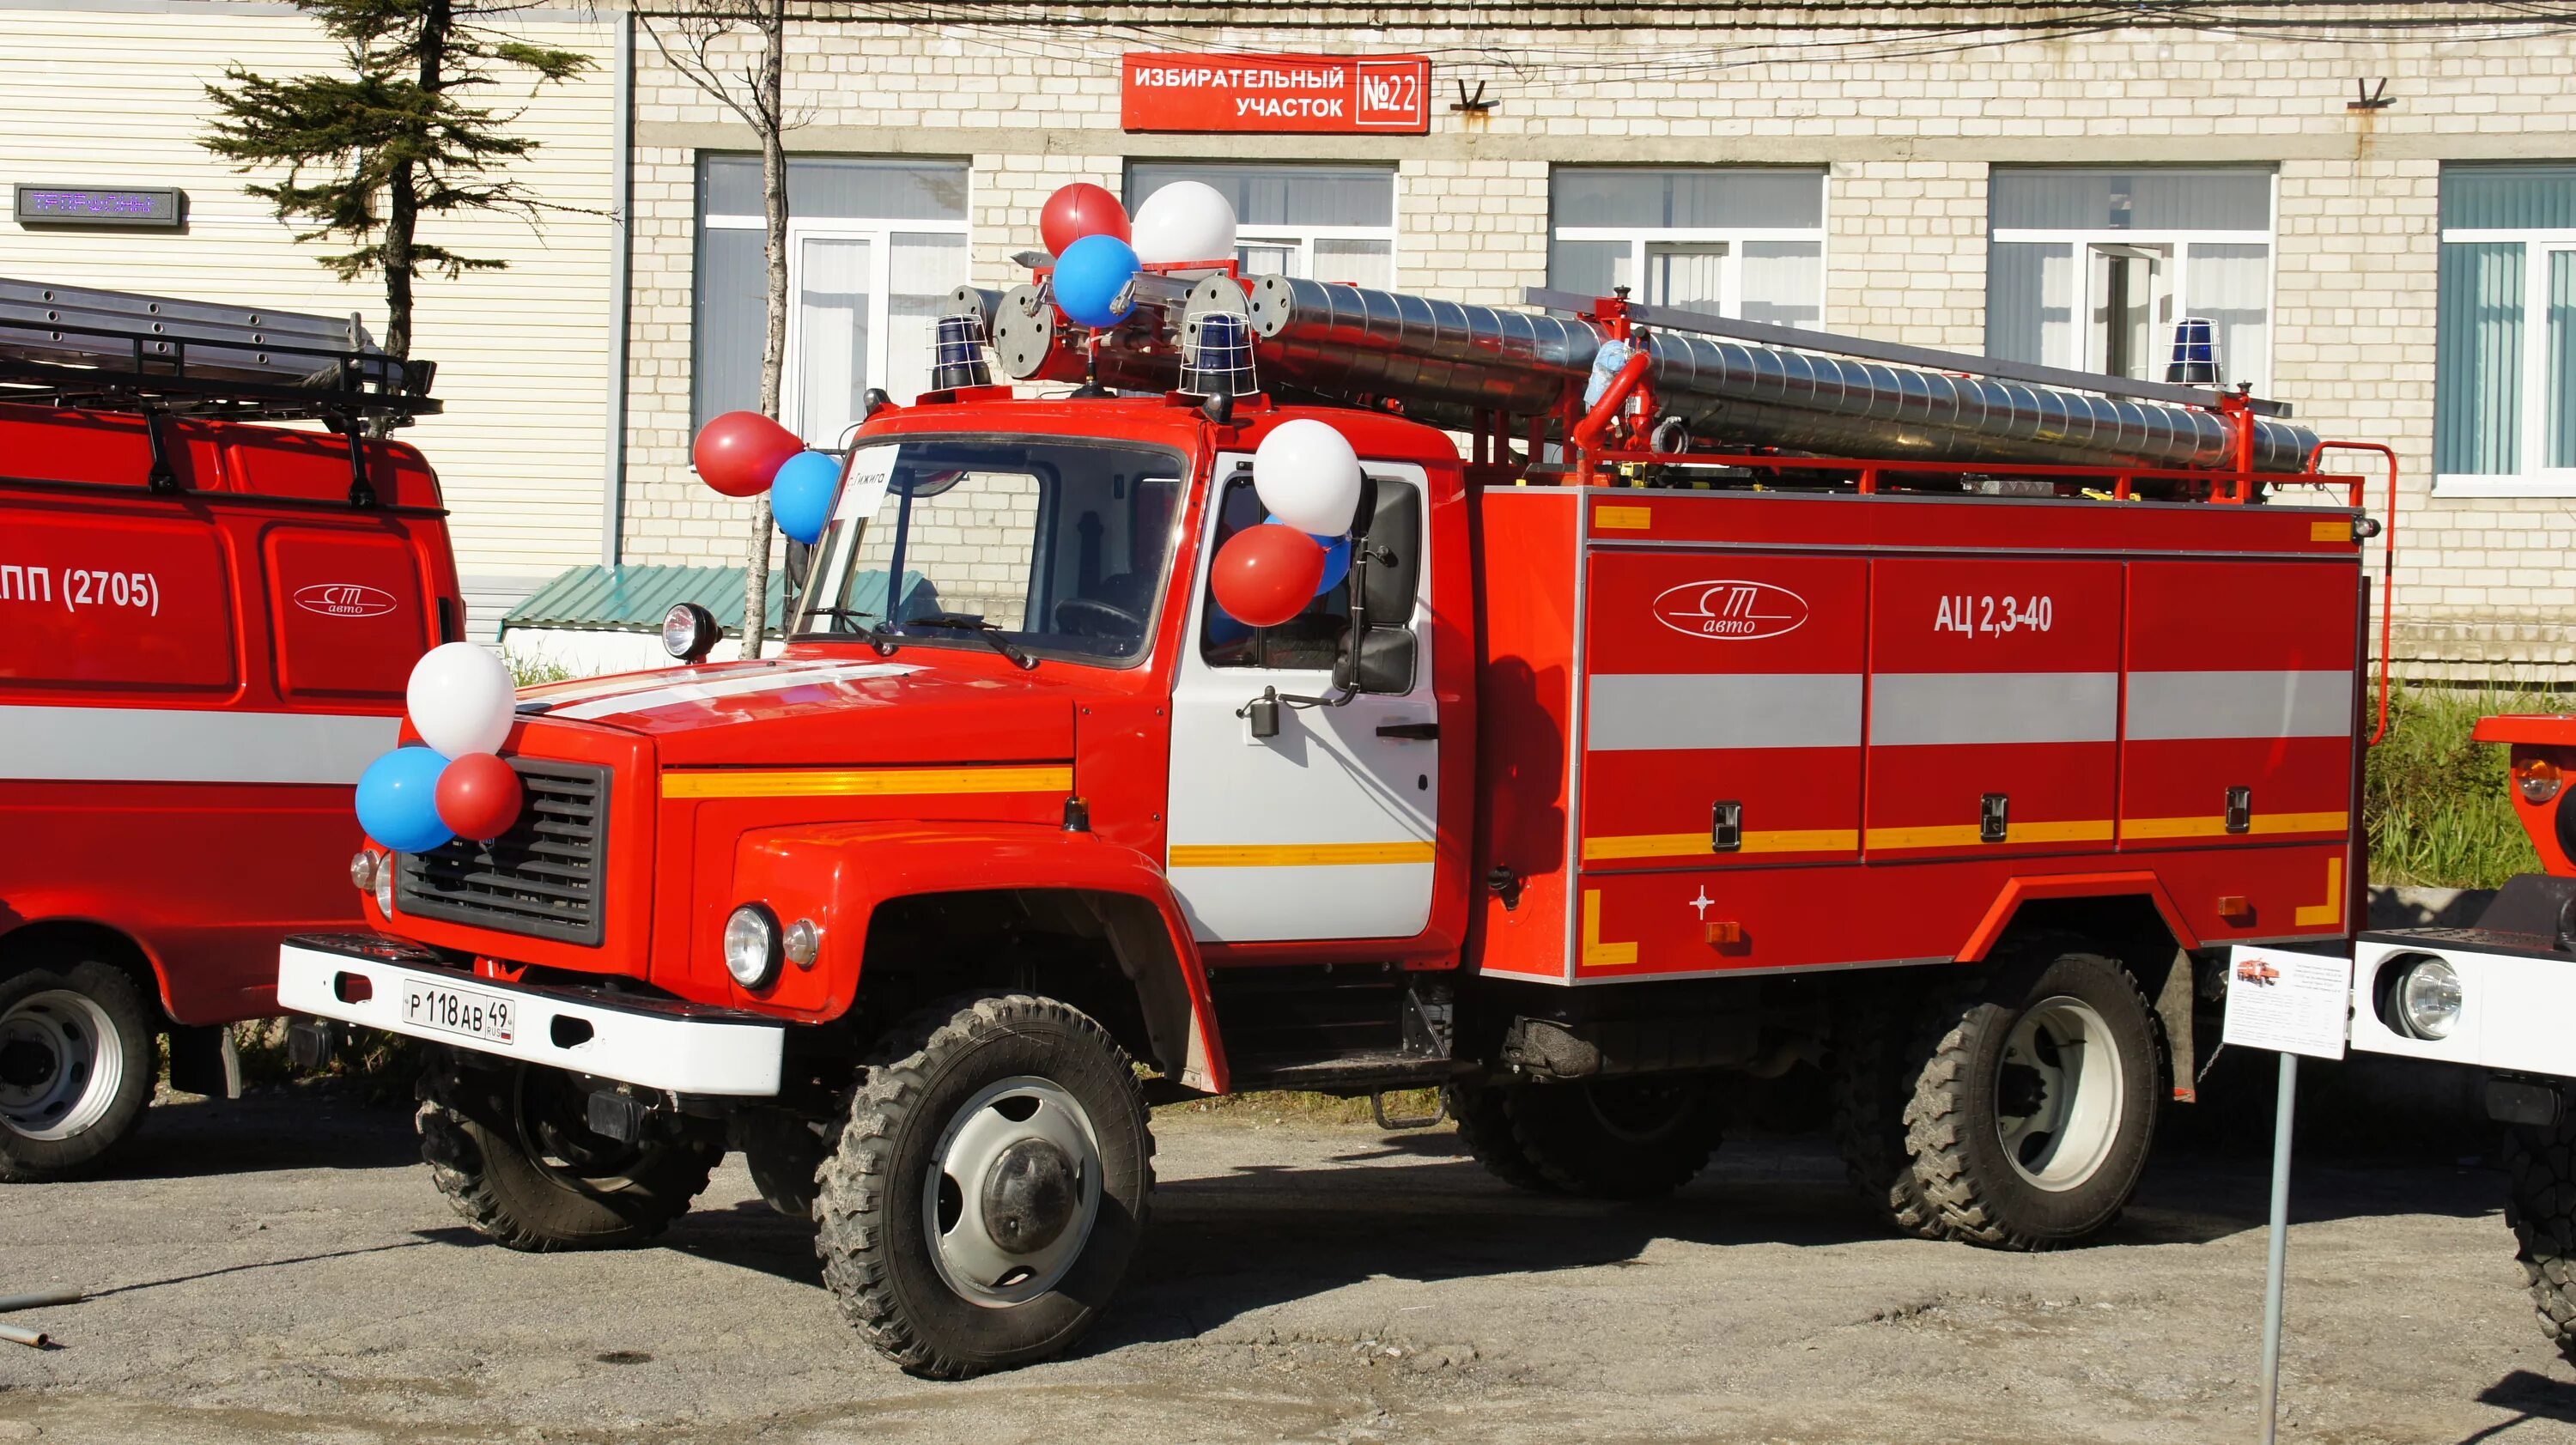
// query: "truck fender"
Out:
[2018,891]
[839,875]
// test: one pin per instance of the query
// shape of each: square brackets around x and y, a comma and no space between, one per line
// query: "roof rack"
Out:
[120,351]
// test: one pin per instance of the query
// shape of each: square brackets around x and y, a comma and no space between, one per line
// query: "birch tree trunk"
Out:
[768,93]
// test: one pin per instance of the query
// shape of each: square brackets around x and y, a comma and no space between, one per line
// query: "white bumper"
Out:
[645,1042]
[2517,1008]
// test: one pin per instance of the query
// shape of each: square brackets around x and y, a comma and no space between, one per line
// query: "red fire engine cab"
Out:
[205,628]
[1732,697]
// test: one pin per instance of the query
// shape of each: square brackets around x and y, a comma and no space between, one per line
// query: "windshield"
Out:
[1059,546]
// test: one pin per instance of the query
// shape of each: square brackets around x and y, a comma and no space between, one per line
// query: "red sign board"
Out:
[1300,94]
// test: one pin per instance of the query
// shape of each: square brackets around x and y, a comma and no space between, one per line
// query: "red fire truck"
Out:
[1731,697]
[205,628]
[2497,996]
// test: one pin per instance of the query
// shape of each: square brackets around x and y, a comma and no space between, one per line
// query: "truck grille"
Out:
[545,877]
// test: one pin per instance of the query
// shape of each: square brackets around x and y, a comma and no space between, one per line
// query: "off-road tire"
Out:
[1625,1138]
[872,1236]
[1959,1159]
[1485,1127]
[2540,1206]
[1871,1077]
[475,1145]
[132,1030]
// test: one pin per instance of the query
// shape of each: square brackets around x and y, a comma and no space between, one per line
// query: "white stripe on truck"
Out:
[188,745]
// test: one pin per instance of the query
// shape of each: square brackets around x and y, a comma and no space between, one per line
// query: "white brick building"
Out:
[2376,201]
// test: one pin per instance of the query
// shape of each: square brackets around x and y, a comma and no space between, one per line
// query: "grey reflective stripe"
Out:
[1632,712]
[1931,709]
[189,745]
[2168,706]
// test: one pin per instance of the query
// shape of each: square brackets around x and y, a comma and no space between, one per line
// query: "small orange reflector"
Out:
[2537,777]
[2235,909]
[1727,935]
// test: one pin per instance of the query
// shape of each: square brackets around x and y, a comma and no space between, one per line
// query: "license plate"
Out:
[467,1011]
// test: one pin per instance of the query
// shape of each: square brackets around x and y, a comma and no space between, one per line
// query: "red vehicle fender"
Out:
[2018,891]
[838,875]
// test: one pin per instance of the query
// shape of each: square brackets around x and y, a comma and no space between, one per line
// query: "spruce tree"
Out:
[370,151]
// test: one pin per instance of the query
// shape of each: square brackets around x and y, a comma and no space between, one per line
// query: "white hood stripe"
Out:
[767,680]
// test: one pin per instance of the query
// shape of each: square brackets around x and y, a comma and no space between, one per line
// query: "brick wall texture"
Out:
[1907,132]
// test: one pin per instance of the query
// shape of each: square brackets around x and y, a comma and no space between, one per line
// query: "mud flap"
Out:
[2174,1005]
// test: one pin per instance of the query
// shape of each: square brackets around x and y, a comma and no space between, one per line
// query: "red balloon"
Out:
[738,452]
[1079,210]
[1267,574]
[479,796]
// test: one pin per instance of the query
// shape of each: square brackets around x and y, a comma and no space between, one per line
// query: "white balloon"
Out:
[1184,221]
[462,699]
[1307,475]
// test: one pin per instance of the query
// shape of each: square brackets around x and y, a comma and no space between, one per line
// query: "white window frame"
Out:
[1730,268]
[2180,241]
[2535,479]
[1301,240]
[879,234]
[1730,271]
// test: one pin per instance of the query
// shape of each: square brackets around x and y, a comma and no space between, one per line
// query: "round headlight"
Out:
[689,632]
[373,872]
[2428,999]
[2538,778]
[751,945]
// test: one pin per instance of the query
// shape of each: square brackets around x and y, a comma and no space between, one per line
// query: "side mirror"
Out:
[1386,570]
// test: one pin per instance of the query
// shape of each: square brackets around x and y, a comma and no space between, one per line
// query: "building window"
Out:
[1745,241]
[2092,270]
[1328,223]
[2504,410]
[873,249]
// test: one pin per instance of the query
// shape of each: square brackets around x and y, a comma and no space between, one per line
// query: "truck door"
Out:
[1325,830]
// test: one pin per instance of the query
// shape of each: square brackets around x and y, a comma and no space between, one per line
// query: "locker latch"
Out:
[1991,811]
[2240,810]
[1725,827]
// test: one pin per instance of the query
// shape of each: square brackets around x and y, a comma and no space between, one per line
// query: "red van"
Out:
[206,625]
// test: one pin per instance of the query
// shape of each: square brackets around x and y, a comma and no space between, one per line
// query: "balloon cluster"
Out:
[415,798]
[1098,251]
[1308,478]
[743,454]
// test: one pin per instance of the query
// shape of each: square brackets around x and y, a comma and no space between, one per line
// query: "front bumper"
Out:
[2517,998]
[655,1043]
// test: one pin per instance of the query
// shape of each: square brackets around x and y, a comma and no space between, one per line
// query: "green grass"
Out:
[2435,802]
[529,671]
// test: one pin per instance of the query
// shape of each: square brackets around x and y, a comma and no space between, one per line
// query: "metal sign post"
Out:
[2293,1004]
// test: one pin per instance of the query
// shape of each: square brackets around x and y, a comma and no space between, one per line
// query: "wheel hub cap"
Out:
[2060,1096]
[60,1066]
[1030,1195]
[1013,1191]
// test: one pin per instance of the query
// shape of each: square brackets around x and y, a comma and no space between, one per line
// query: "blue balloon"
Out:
[800,497]
[1091,281]
[398,800]
[1337,560]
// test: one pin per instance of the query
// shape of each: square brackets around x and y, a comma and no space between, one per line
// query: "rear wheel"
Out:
[989,1187]
[2540,1205]
[77,1061]
[512,1149]
[1623,1138]
[2030,1124]
[1872,1075]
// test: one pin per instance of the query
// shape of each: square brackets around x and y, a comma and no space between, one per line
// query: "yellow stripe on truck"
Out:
[864,782]
[1295,855]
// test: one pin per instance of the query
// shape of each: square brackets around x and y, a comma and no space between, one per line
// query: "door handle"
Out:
[1419,732]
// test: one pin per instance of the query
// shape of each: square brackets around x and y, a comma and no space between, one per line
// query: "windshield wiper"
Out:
[837,612]
[990,632]
[886,639]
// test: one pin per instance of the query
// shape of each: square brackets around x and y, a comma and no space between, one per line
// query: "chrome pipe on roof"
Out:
[1445,361]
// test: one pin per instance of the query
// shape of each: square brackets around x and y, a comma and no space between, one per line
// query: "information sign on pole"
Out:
[2292,1004]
